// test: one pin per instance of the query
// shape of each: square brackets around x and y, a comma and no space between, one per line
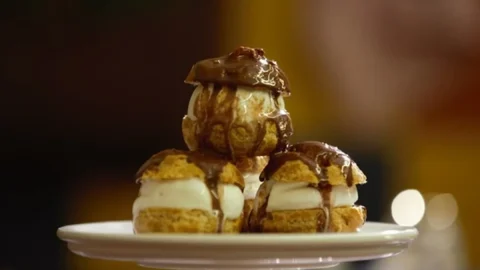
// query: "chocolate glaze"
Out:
[326,155]
[212,165]
[283,122]
[325,190]
[244,66]
[326,193]
[222,113]
[256,226]
[318,156]
[255,221]
[212,118]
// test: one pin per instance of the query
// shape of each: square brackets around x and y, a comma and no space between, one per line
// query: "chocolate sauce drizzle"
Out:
[211,164]
[323,156]
[255,223]
[325,190]
[283,123]
[223,113]
[244,66]
[318,156]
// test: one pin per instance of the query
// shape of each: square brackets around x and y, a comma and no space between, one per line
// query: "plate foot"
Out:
[274,264]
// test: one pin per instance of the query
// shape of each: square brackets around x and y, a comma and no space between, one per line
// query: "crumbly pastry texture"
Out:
[342,219]
[168,220]
[176,166]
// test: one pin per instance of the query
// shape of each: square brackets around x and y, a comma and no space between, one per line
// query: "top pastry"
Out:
[244,66]
[237,108]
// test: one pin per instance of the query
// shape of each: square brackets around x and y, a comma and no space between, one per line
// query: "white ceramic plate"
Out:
[116,241]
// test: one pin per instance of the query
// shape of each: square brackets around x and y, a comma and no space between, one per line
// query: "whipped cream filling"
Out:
[298,195]
[189,194]
[252,184]
[246,97]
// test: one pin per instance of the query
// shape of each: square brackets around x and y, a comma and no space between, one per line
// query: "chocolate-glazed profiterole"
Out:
[186,191]
[309,188]
[237,108]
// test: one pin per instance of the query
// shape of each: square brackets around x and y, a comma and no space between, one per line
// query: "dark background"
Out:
[86,86]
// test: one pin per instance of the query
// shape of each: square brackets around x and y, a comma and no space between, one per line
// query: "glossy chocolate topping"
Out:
[318,156]
[211,164]
[244,66]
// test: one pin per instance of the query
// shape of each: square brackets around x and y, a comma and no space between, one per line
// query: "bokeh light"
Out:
[442,211]
[408,208]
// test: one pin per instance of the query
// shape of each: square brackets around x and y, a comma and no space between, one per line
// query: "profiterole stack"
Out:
[237,106]
[237,131]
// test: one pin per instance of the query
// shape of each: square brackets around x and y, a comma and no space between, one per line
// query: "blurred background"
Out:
[90,89]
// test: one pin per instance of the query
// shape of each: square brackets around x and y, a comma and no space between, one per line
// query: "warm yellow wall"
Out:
[446,160]
[430,160]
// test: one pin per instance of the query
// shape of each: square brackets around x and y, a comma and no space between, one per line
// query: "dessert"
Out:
[237,107]
[184,191]
[237,131]
[309,188]
[251,169]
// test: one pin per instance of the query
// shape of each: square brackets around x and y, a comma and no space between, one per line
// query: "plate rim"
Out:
[398,234]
